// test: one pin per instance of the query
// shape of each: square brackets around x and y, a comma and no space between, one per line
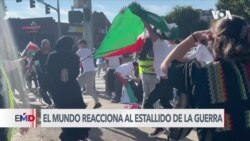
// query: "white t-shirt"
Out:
[202,54]
[125,69]
[88,64]
[114,62]
[161,50]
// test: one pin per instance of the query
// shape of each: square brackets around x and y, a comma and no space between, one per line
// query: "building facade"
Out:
[37,29]
[101,25]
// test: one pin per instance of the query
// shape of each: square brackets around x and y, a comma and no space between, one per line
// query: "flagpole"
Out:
[88,56]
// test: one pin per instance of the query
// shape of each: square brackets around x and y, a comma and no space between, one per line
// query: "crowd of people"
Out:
[211,68]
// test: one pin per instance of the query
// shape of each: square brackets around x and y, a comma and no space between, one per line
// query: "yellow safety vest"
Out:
[146,66]
[8,93]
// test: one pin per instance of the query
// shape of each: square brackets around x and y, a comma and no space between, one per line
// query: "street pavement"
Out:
[96,134]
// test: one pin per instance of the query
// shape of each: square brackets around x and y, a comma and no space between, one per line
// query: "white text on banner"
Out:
[132,118]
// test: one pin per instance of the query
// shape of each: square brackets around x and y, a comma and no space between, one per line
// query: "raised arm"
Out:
[152,34]
[181,49]
[12,65]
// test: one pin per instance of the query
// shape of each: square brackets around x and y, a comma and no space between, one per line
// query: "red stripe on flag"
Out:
[136,47]
[33,47]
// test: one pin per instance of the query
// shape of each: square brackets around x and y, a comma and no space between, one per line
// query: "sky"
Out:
[109,7]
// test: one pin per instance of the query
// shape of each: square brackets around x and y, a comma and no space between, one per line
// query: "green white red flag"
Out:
[127,33]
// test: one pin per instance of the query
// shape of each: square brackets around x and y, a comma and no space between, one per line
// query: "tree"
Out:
[2,8]
[187,19]
[236,7]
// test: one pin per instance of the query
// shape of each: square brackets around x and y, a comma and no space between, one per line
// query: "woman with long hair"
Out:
[221,84]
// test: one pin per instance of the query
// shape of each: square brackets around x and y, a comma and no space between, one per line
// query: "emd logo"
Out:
[25,118]
[221,14]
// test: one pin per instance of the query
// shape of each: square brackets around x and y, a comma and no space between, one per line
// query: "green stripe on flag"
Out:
[149,17]
[123,32]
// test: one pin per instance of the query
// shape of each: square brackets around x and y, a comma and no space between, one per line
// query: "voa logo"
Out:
[217,14]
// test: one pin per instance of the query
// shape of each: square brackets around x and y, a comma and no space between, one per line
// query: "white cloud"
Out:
[64,12]
[161,10]
[101,8]
[27,12]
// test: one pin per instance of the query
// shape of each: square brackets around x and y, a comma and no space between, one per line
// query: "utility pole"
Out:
[59,19]
[87,24]
[86,5]
[58,14]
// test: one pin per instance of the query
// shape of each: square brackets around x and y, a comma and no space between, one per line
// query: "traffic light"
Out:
[32,3]
[47,9]
[18,0]
[75,16]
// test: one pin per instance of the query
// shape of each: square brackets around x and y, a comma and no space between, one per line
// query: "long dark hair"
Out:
[231,39]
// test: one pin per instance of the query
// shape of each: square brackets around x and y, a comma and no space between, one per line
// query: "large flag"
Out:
[127,32]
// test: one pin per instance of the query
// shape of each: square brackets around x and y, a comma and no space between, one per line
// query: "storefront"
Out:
[35,30]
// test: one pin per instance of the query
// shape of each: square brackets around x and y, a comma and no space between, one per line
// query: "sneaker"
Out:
[156,132]
[97,105]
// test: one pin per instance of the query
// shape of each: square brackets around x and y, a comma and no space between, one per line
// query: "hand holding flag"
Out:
[127,33]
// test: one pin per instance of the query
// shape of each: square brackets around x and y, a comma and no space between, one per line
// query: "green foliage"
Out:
[236,7]
[187,19]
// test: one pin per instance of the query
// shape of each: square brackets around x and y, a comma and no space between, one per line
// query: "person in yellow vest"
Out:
[7,95]
[146,63]
[7,52]
[5,101]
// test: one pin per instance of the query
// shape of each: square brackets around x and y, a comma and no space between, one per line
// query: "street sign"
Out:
[75,28]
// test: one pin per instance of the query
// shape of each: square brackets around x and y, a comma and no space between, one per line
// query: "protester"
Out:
[221,84]
[7,95]
[63,69]
[9,63]
[111,64]
[40,59]
[146,63]
[30,76]
[87,78]
[123,73]
[160,49]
